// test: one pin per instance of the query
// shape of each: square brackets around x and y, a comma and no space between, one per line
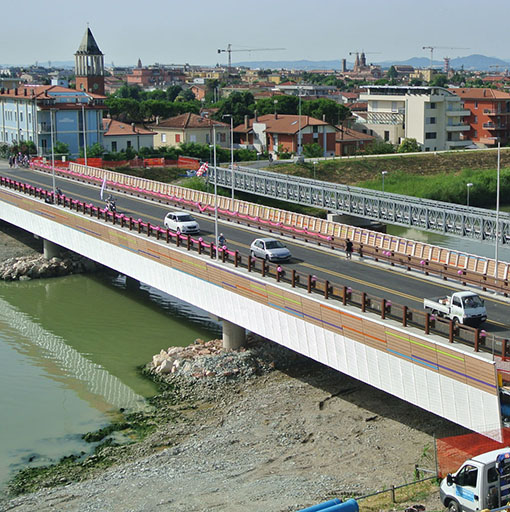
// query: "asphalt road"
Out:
[380,280]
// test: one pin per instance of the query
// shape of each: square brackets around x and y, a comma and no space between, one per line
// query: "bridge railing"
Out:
[329,290]
[418,256]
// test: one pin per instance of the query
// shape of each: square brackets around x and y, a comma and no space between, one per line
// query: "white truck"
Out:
[462,307]
[481,483]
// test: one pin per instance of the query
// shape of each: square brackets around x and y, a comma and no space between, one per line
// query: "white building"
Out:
[431,115]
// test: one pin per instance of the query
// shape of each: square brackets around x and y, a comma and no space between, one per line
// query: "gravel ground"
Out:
[262,429]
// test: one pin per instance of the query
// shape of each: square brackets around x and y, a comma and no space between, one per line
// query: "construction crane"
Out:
[229,50]
[432,48]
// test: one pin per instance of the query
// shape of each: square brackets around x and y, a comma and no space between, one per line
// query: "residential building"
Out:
[350,142]
[280,133]
[34,112]
[489,115]
[431,115]
[119,136]
[189,128]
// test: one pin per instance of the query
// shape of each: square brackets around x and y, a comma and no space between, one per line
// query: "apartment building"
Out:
[434,116]
[489,115]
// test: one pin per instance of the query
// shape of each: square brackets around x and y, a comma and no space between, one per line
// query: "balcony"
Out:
[457,112]
[492,126]
[457,127]
[43,128]
[384,118]
[456,144]
[489,112]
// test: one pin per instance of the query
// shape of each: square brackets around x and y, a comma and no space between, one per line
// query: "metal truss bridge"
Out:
[425,214]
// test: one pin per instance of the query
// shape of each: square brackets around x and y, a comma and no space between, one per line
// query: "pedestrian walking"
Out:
[348,248]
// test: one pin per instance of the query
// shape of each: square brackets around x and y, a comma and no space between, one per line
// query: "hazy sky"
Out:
[178,32]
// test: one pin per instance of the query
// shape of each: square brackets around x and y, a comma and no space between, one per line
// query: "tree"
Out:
[392,73]
[95,151]
[409,145]
[439,81]
[378,148]
[313,150]
[333,112]
[239,104]
[61,148]
[185,95]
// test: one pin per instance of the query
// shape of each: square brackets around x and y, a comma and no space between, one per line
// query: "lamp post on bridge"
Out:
[215,194]
[383,174]
[52,111]
[232,153]
[468,186]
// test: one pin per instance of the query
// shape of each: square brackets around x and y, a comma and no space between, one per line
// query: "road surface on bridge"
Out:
[384,281]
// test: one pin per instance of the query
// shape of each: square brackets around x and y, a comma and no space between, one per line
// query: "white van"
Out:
[482,482]
[181,222]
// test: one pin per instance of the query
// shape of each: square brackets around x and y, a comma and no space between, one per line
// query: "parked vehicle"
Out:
[270,249]
[181,222]
[462,307]
[482,482]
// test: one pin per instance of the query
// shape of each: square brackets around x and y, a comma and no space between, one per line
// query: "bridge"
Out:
[445,218]
[412,356]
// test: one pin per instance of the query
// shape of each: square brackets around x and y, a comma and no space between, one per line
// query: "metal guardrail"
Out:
[385,309]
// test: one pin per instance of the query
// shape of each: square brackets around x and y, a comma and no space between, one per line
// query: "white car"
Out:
[182,222]
[270,249]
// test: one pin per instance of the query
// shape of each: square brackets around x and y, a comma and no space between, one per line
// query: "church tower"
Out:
[89,65]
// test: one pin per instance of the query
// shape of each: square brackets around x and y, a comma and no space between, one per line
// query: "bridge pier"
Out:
[234,336]
[51,249]
[132,283]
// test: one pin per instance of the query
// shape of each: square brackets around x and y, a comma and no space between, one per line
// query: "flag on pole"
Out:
[203,169]
[103,187]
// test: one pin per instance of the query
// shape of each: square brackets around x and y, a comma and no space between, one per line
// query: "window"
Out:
[476,119]
[44,144]
[475,134]
[21,117]
[394,106]
[432,105]
[315,129]
[223,137]
[192,138]
[476,104]
[114,146]
[430,120]
[430,135]
[163,137]
[128,144]
[29,117]
[386,136]
[177,137]
[467,476]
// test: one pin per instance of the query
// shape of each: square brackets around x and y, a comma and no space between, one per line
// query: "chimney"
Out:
[246,122]
[133,126]
[157,119]
[324,117]
[276,115]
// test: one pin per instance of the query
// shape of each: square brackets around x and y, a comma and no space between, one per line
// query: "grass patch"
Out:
[404,497]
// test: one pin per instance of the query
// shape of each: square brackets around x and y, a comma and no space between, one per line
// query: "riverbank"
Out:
[259,429]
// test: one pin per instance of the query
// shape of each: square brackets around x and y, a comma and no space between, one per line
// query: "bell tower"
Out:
[89,65]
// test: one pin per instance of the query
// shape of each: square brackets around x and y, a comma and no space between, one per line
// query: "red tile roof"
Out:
[480,93]
[41,91]
[189,120]
[348,134]
[115,128]
[283,123]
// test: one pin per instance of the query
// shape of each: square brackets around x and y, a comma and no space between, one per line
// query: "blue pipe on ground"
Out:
[347,506]
[322,506]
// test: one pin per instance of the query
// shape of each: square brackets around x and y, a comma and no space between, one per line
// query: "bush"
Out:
[313,150]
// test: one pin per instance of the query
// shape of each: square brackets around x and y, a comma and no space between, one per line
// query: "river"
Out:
[70,349]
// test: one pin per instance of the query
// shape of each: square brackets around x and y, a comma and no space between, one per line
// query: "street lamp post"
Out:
[383,174]
[497,213]
[52,152]
[314,164]
[232,153]
[468,186]
[299,126]
[215,194]
[84,133]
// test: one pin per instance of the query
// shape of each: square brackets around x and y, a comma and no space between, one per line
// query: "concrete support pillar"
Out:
[132,283]
[234,336]
[51,250]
